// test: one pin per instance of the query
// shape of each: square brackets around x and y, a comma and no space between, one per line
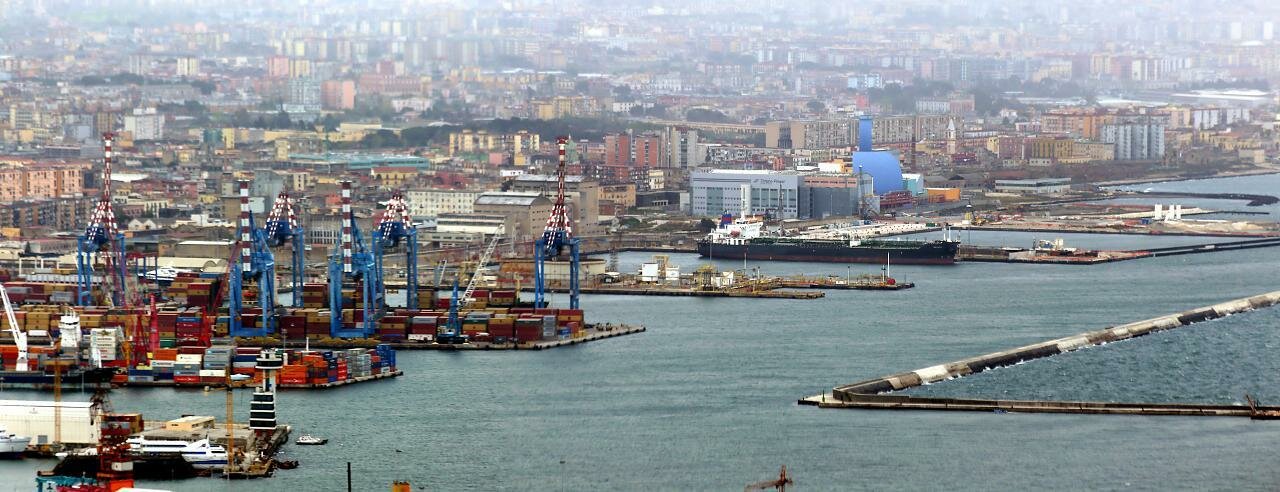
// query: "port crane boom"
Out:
[282,227]
[19,336]
[394,227]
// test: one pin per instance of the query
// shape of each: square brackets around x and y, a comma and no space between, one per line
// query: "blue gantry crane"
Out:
[353,261]
[282,228]
[394,227]
[453,328]
[555,238]
[256,264]
[102,240]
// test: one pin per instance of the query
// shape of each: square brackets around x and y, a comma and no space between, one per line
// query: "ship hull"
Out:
[42,380]
[939,253]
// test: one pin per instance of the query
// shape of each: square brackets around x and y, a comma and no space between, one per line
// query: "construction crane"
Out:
[453,333]
[394,227]
[102,241]
[19,336]
[255,263]
[282,227]
[557,235]
[352,261]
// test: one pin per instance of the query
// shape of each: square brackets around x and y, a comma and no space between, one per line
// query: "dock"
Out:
[249,384]
[173,467]
[763,292]
[590,334]
[1089,257]
[334,384]
[876,393]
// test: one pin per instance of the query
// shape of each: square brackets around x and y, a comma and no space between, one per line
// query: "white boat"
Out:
[310,440]
[163,274]
[204,455]
[146,447]
[12,444]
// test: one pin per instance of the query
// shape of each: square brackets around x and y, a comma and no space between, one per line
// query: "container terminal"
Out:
[877,393]
[176,328]
[114,321]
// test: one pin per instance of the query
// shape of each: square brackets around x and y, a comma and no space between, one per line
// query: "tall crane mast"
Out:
[283,227]
[352,261]
[394,227]
[103,241]
[255,263]
[557,235]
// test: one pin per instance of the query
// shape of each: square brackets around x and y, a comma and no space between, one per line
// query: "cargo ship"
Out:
[72,377]
[743,238]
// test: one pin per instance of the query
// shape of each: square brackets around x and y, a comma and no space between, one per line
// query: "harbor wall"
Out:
[964,367]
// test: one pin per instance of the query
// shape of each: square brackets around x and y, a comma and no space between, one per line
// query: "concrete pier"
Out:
[589,335]
[894,402]
[870,393]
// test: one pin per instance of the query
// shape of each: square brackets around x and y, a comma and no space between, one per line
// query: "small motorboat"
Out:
[310,440]
[287,464]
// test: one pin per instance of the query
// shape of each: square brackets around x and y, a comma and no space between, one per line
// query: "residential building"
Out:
[433,203]
[629,150]
[145,124]
[304,94]
[39,181]
[682,148]
[810,134]
[187,66]
[338,94]
[1139,138]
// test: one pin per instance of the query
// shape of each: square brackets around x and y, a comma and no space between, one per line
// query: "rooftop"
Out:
[545,177]
[509,198]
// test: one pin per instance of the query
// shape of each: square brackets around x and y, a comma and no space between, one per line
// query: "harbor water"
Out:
[705,400]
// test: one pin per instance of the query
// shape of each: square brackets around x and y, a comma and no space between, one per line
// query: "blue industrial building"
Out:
[880,164]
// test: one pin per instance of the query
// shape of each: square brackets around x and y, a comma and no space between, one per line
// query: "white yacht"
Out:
[147,447]
[12,444]
[204,455]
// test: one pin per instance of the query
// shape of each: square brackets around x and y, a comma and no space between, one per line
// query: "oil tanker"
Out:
[743,238]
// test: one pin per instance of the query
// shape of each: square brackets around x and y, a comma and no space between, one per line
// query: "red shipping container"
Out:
[528,333]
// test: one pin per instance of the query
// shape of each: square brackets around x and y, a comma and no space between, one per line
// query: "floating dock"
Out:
[873,393]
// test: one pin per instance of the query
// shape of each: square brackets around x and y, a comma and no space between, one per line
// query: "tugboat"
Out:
[310,440]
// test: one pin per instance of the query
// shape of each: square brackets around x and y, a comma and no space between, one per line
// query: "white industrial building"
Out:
[35,418]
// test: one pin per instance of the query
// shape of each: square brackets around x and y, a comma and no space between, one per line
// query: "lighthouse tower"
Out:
[262,412]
